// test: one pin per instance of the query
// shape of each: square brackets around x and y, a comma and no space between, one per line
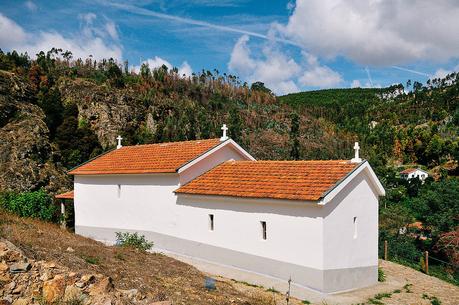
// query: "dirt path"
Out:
[403,286]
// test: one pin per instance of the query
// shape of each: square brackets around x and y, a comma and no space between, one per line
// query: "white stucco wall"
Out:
[146,202]
[227,152]
[341,250]
[294,231]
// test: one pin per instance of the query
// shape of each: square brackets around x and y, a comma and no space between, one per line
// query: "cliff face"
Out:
[27,159]
[107,112]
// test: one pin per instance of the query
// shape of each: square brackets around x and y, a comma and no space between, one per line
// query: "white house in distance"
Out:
[315,222]
[411,173]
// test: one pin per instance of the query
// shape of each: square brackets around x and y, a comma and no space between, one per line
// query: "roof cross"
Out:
[119,142]
[225,129]
[356,158]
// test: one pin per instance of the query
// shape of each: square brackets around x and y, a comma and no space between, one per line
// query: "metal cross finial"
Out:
[356,158]
[119,142]
[225,129]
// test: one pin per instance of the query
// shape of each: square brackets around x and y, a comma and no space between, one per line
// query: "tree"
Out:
[294,136]
[260,86]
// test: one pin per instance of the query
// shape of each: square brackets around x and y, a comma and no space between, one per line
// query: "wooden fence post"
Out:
[385,250]
[426,261]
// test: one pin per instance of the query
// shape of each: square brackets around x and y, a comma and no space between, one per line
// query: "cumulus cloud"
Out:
[356,84]
[92,40]
[377,32]
[31,6]
[156,62]
[280,72]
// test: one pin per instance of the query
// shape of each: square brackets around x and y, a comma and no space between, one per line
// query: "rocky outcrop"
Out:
[107,111]
[42,282]
[26,155]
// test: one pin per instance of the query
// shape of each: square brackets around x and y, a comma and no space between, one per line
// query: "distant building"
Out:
[411,173]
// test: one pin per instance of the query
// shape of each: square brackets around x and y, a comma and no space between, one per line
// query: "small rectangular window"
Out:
[263,229]
[355,227]
[211,222]
[119,190]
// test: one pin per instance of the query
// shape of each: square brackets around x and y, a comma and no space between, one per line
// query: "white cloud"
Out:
[356,84]
[156,62]
[280,72]
[10,32]
[92,40]
[110,27]
[377,32]
[441,73]
[316,75]
[31,6]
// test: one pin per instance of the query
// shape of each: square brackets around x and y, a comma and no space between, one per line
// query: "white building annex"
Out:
[315,222]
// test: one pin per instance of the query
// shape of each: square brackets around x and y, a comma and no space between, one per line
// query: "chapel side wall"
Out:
[350,261]
[146,203]
[294,234]
[227,152]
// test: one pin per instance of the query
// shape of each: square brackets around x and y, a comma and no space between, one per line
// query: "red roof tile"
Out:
[408,171]
[66,195]
[297,180]
[144,159]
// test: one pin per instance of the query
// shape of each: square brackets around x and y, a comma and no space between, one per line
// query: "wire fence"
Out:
[422,261]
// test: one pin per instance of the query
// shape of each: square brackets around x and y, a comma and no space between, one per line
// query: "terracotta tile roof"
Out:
[297,180]
[144,159]
[66,195]
[408,171]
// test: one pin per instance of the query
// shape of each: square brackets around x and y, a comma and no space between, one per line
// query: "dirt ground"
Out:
[166,278]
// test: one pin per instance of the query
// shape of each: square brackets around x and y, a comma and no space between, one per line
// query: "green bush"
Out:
[37,204]
[133,240]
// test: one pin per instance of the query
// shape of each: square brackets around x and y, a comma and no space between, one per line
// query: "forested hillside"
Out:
[57,112]
[400,127]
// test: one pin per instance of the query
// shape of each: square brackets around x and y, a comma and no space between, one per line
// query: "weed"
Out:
[247,284]
[375,302]
[381,275]
[272,290]
[133,240]
[305,302]
[91,260]
[119,256]
[396,291]
[380,296]
[407,288]
[433,299]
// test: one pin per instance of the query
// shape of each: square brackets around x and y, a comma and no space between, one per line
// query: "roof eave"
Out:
[337,187]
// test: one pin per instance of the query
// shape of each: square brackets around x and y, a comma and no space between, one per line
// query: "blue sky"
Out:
[291,46]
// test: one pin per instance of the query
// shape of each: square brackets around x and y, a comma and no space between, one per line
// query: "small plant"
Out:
[407,287]
[396,291]
[119,256]
[381,275]
[272,290]
[433,299]
[133,240]
[375,302]
[305,302]
[380,296]
[91,260]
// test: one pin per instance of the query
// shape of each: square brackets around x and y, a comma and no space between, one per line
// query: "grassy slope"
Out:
[153,274]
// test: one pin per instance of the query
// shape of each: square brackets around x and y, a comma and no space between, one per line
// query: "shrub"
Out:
[381,275]
[37,204]
[133,240]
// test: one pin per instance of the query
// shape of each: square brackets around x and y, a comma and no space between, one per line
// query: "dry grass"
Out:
[155,275]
